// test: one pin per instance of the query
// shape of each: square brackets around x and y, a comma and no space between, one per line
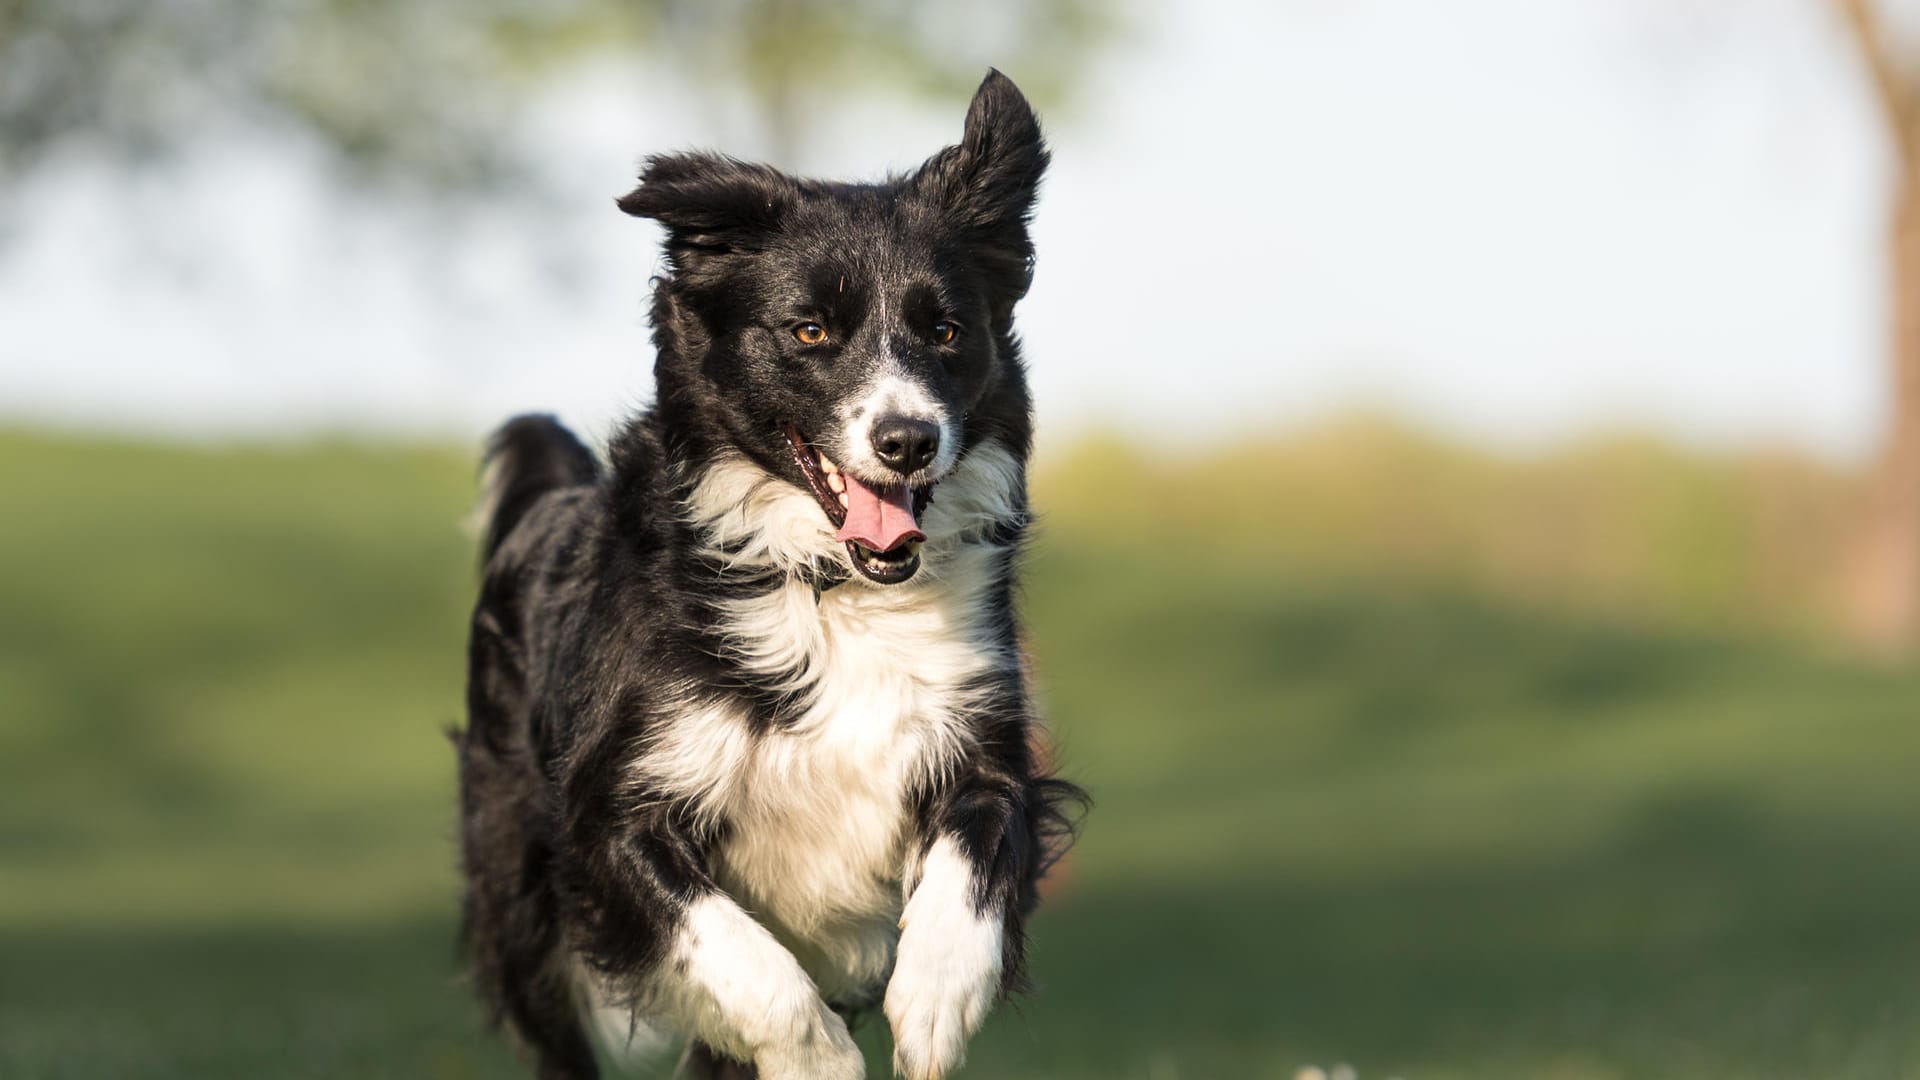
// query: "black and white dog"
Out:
[749,744]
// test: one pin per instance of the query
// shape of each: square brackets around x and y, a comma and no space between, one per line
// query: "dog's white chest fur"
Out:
[819,825]
[817,813]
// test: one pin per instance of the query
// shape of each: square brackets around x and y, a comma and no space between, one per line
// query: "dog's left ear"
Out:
[989,181]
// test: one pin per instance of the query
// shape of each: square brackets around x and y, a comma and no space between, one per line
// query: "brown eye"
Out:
[944,332]
[810,333]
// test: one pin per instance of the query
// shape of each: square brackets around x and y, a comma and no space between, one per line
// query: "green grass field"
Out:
[1347,816]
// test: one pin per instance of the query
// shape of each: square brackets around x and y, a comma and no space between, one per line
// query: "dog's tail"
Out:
[528,457]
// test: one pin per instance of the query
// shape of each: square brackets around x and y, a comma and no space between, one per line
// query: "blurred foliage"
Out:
[1625,525]
[424,91]
[1355,802]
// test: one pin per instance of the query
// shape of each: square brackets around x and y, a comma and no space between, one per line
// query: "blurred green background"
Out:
[1407,818]
[1524,750]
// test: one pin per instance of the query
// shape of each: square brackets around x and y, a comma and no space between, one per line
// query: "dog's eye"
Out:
[944,332]
[810,333]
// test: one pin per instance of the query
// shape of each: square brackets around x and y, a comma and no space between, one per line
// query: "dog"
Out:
[750,747]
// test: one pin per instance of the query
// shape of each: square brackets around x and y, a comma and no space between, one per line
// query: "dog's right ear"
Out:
[710,204]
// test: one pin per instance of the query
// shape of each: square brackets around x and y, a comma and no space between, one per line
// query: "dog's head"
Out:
[855,340]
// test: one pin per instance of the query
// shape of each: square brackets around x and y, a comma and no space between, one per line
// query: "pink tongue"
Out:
[880,520]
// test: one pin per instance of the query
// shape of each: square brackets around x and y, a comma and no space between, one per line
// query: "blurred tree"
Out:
[1883,582]
[415,91]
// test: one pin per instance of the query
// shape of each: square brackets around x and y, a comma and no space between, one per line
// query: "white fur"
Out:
[818,810]
[948,972]
[983,491]
[820,822]
[629,1039]
[732,986]
[492,487]
[761,519]
[892,392]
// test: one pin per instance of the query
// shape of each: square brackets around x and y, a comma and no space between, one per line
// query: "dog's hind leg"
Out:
[510,928]
[543,1013]
[519,970]
[701,1062]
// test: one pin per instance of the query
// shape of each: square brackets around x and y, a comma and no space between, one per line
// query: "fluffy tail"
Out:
[528,457]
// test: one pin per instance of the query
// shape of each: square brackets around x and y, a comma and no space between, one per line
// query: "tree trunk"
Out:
[1884,581]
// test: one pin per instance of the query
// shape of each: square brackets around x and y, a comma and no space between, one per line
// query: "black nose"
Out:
[905,445]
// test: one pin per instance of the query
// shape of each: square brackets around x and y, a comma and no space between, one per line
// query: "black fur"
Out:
[601,617]
[535,455]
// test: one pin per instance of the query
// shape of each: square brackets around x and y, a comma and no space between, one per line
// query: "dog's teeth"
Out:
[843,498]
[827,465]
[837,482]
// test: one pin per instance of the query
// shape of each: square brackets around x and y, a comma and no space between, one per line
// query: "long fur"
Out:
[724,776]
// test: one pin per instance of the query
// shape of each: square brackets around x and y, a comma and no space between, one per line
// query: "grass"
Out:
[1348,811]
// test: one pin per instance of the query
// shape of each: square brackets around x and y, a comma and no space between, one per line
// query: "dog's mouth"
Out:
[880,526]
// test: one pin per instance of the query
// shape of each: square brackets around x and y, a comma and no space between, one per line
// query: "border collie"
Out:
[749,749]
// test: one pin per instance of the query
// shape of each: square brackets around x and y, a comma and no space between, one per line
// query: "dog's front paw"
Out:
[823,1050]
[945,980]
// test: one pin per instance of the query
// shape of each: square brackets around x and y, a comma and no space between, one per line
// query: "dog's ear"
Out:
[990,179]
[987,184]
[710,204]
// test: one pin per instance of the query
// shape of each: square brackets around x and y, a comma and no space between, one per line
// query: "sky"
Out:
[1514,220]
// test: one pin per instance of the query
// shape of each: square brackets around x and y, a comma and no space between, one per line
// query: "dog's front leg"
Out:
[949,968]
[730,985]
[652,921]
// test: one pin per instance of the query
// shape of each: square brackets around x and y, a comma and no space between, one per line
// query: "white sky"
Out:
[1513,218]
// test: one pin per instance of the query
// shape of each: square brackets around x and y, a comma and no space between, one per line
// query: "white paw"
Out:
[745,996]
[822,1050]
[947,972]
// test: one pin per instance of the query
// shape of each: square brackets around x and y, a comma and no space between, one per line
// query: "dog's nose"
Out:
[904,444]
